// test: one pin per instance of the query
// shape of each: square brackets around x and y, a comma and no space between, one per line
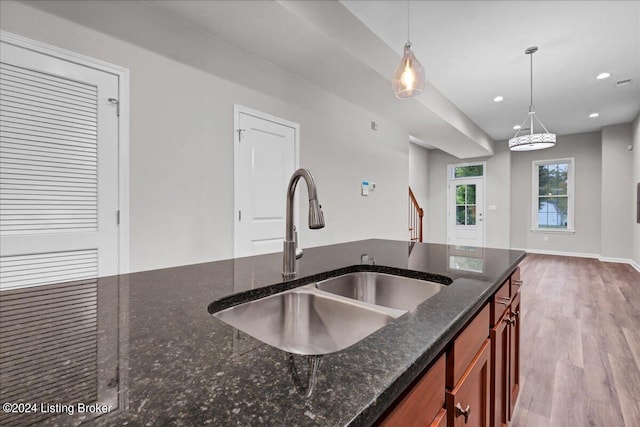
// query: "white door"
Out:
[265,159]
[59,170]
[466,212]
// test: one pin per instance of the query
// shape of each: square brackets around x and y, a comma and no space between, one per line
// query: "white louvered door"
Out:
[58,170]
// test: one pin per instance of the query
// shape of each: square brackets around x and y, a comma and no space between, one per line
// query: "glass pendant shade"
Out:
[408,79]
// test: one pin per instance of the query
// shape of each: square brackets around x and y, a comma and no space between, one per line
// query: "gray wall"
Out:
[617,182]
[419,173]
[497,193]
[181,152]
[635,253]
[585,148]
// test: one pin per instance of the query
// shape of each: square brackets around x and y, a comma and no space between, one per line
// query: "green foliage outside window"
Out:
[553,196]
[468,171]
[465,204]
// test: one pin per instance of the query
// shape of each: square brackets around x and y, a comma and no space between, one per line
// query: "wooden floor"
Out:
[580,363]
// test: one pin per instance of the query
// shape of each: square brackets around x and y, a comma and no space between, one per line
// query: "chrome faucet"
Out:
[316,220]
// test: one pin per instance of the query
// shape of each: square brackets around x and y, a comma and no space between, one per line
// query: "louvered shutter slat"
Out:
[48,155]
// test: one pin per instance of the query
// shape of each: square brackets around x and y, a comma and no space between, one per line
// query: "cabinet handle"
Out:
[518,282]
[511,321]
[466,413]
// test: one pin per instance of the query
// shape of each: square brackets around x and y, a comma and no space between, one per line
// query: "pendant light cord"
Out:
[408,20]
[531,76]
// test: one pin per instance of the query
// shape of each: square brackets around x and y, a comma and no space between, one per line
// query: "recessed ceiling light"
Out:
[603,76]
[516,127]
[594,115]
[498,99]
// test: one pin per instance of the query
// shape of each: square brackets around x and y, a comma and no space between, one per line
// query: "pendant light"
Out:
[522,141]
[408,79]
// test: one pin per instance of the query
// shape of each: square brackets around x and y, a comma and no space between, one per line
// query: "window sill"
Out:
[551,231]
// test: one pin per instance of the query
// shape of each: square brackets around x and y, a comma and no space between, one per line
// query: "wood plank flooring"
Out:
[580,360]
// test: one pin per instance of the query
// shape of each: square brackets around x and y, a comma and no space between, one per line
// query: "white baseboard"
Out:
[559,253]
[620,260]
[631,262]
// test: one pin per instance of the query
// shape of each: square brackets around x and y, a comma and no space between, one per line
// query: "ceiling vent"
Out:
[624,82]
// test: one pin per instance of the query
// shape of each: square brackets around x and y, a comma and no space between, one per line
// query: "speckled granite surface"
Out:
[162,359]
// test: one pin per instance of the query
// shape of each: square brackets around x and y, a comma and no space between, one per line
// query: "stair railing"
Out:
[416,214]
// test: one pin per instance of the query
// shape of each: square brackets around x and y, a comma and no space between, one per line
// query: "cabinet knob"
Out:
[511,321]
[466,413]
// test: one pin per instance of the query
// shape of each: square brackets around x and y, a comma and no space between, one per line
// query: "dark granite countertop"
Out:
[156,356]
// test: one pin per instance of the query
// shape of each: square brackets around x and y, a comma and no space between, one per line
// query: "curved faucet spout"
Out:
[316,218]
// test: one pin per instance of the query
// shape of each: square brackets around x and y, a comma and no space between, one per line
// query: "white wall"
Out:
[586,149]
[497,193]
[419,173]
[617,182]
[635,253]
[181,155]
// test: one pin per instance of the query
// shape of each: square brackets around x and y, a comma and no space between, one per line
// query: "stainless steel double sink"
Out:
[329,315]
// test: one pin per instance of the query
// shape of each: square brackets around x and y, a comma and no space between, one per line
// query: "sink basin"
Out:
[382,289]
[307,321]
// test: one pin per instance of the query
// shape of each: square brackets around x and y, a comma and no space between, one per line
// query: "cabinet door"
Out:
[514,354]
[500,354]
[468,403]
[421,404]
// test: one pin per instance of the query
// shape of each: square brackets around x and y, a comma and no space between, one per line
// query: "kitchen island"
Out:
[155,356]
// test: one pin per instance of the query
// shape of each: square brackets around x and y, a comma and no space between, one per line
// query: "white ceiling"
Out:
[473,51]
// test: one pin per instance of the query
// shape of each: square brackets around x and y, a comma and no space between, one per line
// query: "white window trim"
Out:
[123,126]
[570,193]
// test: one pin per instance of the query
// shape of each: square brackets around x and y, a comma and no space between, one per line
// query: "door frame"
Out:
[451,180]
[123,126]
[237,110]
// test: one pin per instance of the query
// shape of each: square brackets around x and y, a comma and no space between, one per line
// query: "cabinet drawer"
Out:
[421,405]
[516,281]
[468,403]
[466,345]
[500,302]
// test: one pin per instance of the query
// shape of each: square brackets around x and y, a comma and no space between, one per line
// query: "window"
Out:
[466,204]
[552,204]
[467,171]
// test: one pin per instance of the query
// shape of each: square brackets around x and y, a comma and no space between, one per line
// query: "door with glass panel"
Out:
[466,212]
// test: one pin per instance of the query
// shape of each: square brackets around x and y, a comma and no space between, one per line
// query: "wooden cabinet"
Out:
[500,302]
[505,351]
[441,419]
[466,345]
[500,353]
[514,353]
[468,404]
[422,404]
[515,281]
[476,383]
